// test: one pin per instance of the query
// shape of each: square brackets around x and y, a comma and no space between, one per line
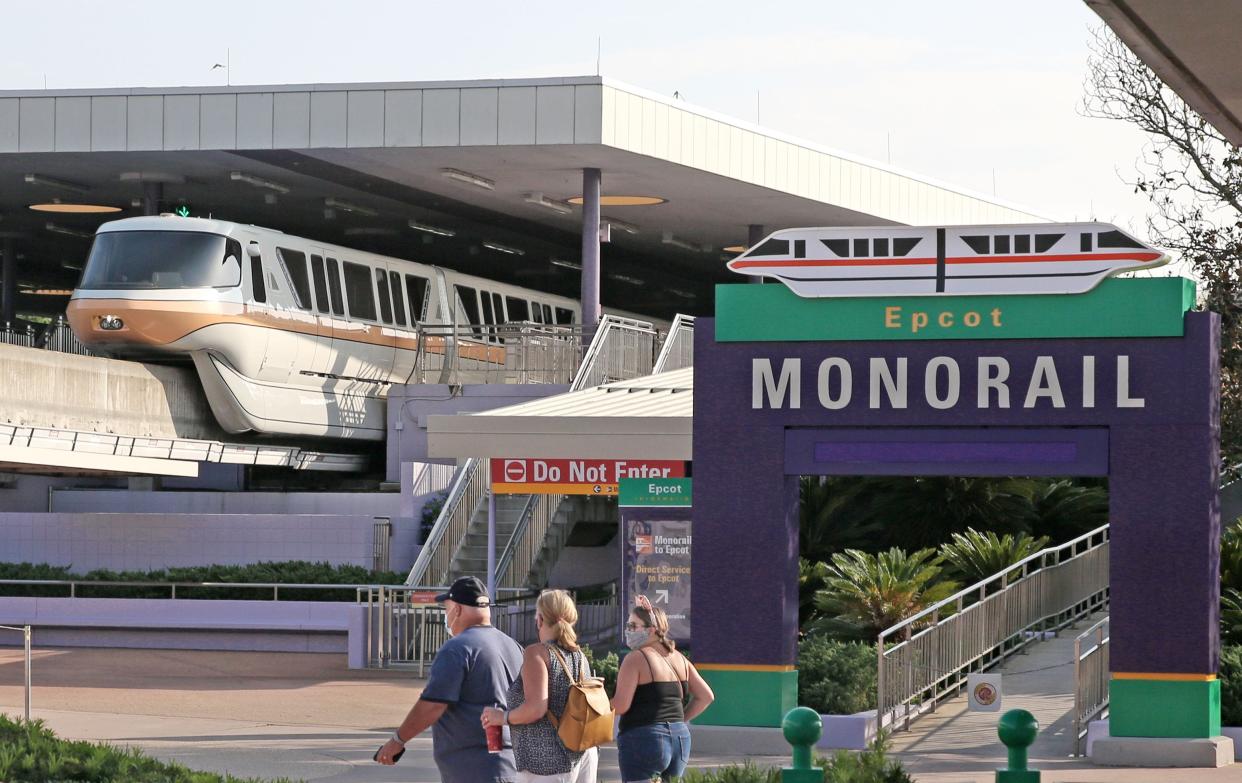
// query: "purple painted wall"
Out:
[1162,462]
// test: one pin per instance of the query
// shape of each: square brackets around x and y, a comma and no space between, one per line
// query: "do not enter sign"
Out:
[528,476]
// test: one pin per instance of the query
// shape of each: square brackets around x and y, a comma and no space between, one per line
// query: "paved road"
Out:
[309,717]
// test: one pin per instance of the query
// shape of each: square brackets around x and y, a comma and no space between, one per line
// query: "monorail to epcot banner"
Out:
[528,476]
[1036,258]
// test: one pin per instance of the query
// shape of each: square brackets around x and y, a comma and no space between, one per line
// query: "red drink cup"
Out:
[495,738]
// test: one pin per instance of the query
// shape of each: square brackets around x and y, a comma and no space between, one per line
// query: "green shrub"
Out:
[431,511]
[835,677]
[1230,685]
[733,773]
[287,572]
[605,667]
[974,556]
[30,753]
[868,766]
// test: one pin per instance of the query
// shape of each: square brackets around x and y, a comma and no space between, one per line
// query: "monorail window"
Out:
[860,248]
[564,315]
[1000,244]
[163,259]
[840,247]
[519,310]
[1116,239]
[334,287]
[416,292]
[773,247]
[489,316]
[294,264]
[799,248]
[258,291]
[904,245]
[1022,243]
[385,302]
[321,284]
[979,244]
[358,291]
[880,246]
[398,300]
[469,299]
[536,312]
[1045,242]
[498,302]
[547,314]
[1084,242]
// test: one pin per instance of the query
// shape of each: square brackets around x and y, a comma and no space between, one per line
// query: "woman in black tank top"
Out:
[658,691]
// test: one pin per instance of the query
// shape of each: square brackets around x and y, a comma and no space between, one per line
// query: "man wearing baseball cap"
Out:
[473,670]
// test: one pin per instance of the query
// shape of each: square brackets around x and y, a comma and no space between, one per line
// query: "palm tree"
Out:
[832,516]
[975,556]
[874,592]
[1231,557]
[1065,509]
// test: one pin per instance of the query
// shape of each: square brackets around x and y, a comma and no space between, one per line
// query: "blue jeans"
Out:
[659,749]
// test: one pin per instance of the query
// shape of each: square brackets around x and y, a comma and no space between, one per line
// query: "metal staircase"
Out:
[532,529]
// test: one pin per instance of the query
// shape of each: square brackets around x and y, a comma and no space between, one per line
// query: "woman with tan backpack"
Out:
[558,713]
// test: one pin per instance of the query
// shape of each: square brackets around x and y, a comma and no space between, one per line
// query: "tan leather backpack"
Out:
[587,721]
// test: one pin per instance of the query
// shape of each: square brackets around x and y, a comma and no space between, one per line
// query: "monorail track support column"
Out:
[590,253]
[152,195]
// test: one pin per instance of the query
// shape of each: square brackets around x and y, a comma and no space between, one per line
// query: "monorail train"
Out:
[289,336]
[1040,258]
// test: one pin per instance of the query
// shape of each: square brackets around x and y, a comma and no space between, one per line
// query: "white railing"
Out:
[1090,679]
[505,353]
[25,632]
[528,540]
[468,489]
[925,658]
[621,349]
[432,477]
[405,629]
[677,353]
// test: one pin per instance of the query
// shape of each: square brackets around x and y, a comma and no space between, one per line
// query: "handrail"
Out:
[453,515]
[1001,576]
[275,587]
[932,652]
[1090,679]
[678,350]
[637,340]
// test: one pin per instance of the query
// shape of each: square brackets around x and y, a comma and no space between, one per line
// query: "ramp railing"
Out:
[622,348]
[677,353]
[469,488]
[926,658]
[503,353]
[1090,679]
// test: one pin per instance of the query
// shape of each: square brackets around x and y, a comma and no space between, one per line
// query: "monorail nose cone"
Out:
[110,322]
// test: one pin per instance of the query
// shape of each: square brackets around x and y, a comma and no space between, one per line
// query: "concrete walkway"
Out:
[953,745]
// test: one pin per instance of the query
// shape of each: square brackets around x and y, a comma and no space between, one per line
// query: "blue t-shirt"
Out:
[471,671]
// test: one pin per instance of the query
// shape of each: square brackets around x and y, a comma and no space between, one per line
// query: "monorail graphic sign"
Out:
[1039,258]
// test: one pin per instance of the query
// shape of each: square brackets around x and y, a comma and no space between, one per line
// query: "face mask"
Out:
[447,628]
[635,639]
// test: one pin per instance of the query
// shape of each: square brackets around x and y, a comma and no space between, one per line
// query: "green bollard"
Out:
[1017,729]
[802,727]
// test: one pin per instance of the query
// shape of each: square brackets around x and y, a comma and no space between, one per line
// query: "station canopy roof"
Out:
[1193,47]
[493,162]
[645,418]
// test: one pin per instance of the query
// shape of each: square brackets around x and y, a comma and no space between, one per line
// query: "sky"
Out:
[981,94]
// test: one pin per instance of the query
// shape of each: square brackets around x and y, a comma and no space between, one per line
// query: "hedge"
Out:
[836,677]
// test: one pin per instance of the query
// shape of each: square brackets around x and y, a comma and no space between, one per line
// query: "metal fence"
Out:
[381,540]
[1090,679]
[16,335]
[505,353]
[406,630]
[56,336]
[26,640]
[677,353]
[621,349]
[926,658]
[468,490]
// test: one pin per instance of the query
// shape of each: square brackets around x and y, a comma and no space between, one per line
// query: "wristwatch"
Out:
[396,737]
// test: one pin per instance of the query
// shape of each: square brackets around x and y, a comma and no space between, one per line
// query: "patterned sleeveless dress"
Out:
[537,748]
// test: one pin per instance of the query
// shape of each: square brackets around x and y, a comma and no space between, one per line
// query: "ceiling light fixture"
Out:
[428,229]
[499,248]
[669,239]
[457,175]
[370,231]
[160,177]
[76,209]
[620,225]
[566,264]
[627,279]
[258,182]
[349,206]
[52,182]
[71,232]
[71,265]
[682,294]
[543,201]
[624,201]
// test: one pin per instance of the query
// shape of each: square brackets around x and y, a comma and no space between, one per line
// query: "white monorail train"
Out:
[289,336]
[1040,258]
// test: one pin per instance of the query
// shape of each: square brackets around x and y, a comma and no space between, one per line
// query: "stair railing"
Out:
[468,489]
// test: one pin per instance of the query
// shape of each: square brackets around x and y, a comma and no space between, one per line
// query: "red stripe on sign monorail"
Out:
[1011,259]
[519,472]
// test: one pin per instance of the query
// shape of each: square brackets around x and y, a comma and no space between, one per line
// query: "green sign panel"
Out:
[661,492]
[1118,307]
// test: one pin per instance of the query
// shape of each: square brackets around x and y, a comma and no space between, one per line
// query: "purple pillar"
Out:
[590,249]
